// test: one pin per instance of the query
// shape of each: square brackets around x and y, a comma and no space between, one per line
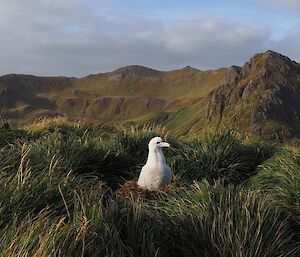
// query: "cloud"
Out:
[289,46]
[215,43]
[69,37]
[285,3]
[267,5]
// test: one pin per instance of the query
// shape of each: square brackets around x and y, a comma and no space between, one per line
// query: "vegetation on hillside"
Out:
[59,182]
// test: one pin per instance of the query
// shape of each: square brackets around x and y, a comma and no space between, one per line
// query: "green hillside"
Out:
[132,93]
[260,99]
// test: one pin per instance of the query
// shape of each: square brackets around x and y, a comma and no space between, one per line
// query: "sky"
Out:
[81,37]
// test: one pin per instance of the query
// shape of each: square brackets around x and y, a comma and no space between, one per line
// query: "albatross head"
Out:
[157,142]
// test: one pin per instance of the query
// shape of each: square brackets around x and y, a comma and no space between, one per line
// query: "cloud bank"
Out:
[70,37]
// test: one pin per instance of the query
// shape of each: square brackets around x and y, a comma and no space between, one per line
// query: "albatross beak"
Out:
[164,144]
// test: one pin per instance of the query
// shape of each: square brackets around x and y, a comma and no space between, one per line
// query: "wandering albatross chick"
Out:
[155,172]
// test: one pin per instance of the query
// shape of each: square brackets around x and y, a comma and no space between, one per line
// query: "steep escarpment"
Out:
[263,99]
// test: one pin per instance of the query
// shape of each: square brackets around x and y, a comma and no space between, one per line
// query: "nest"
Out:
[130,189]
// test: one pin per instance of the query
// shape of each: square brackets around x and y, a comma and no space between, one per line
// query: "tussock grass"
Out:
[219,156]
[58,182]
[279,179]
[9,135]
[226,221]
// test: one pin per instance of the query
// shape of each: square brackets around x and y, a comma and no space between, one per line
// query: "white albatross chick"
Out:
[155,172]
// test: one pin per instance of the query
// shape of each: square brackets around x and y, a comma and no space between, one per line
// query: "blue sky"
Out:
[79,37]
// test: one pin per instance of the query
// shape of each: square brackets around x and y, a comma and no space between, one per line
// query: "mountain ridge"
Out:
[261,98]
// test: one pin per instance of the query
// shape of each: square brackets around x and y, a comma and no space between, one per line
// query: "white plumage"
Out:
[155,172]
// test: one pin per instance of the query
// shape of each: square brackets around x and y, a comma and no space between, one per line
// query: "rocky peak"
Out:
[136,71]
[133,73]
[270,65]
[189,68]
[265,91]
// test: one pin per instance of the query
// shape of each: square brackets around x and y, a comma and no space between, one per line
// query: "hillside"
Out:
[260,98]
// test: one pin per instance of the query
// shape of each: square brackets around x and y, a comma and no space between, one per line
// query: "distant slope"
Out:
[19,95]
[132,93]
[261,98]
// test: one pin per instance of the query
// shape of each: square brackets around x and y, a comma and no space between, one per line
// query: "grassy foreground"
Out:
[230,197]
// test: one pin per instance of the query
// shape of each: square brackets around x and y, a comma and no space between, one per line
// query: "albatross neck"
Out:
[156,155]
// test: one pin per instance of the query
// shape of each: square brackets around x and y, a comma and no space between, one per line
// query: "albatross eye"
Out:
[157,142]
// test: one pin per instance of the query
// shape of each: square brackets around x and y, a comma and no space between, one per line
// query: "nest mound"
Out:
[130,189]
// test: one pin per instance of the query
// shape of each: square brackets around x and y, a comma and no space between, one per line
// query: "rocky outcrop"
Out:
[263,96]
[134,73]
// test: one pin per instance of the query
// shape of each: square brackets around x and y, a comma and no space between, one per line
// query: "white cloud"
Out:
[286,3]
[267,5]
[68,37]
[289,46]
[215,43]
